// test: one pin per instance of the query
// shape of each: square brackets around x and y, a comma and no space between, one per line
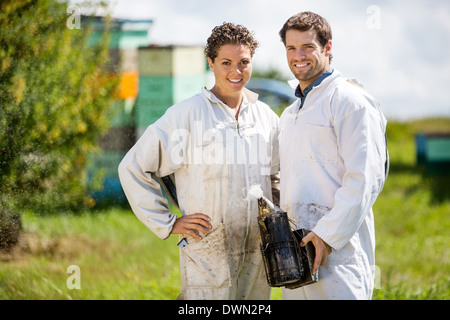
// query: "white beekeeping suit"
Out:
[215,160]
[333,166]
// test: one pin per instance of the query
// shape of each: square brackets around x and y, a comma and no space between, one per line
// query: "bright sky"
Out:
[400,50]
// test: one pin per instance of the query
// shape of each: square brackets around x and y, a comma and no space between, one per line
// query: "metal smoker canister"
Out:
[286,263]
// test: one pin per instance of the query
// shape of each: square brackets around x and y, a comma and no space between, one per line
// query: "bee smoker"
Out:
[286,263]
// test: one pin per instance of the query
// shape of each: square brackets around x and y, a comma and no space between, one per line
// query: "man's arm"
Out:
[361,145]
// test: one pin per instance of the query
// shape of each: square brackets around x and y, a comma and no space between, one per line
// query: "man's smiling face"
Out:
[307,59]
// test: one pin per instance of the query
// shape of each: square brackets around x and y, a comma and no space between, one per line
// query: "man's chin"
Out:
[303,76]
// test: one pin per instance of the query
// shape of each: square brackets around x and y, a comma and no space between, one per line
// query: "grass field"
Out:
[118,258]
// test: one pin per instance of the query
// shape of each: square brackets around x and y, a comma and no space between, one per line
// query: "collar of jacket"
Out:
[302,94]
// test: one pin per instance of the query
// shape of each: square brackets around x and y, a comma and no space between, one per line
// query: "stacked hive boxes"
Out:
[126,37]
[152,79]
[121,136]
[167,75]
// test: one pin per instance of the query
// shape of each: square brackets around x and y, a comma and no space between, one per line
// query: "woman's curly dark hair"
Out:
[229,33]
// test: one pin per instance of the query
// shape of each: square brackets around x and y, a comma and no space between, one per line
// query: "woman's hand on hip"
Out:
[192,225]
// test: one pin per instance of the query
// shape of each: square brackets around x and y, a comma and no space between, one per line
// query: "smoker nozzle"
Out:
[266,206]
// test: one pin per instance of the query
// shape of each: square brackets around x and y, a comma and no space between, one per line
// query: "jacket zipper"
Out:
[299,109]
[302,102]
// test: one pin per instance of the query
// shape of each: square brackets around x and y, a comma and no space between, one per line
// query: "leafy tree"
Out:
[55,101]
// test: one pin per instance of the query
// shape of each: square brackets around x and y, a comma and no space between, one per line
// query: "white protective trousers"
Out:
[333,155]
[215,159]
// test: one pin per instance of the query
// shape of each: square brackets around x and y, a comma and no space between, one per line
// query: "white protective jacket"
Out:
[333,155]
[215,159]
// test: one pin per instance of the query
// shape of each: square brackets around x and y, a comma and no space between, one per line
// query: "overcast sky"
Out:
[398,49]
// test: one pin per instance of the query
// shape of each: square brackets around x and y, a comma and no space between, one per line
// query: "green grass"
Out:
[119,258]
[412,221]
[117,255]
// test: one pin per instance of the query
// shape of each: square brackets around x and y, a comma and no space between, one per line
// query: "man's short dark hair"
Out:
[305,21]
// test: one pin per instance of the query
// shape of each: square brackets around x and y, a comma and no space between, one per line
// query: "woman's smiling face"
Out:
[232,68]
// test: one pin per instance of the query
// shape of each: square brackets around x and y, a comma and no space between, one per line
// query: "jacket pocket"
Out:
[318,143]
[206,261]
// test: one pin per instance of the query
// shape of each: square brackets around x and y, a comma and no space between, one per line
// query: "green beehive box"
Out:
[438,149]
[157,94]
[171,61]
[151,87]
[150,115]
[186,86]
[167,75]
[438,153]
[433,151]
[155,61]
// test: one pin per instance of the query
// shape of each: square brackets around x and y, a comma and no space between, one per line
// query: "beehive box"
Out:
[171,61]
[167,75]
[433,151]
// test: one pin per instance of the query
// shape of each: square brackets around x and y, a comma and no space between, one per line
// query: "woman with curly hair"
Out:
[216,146]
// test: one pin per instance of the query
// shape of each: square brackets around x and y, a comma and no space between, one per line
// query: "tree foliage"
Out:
[55,99]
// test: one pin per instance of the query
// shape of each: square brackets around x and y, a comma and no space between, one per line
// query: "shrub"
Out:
[10,227]
[55,96]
